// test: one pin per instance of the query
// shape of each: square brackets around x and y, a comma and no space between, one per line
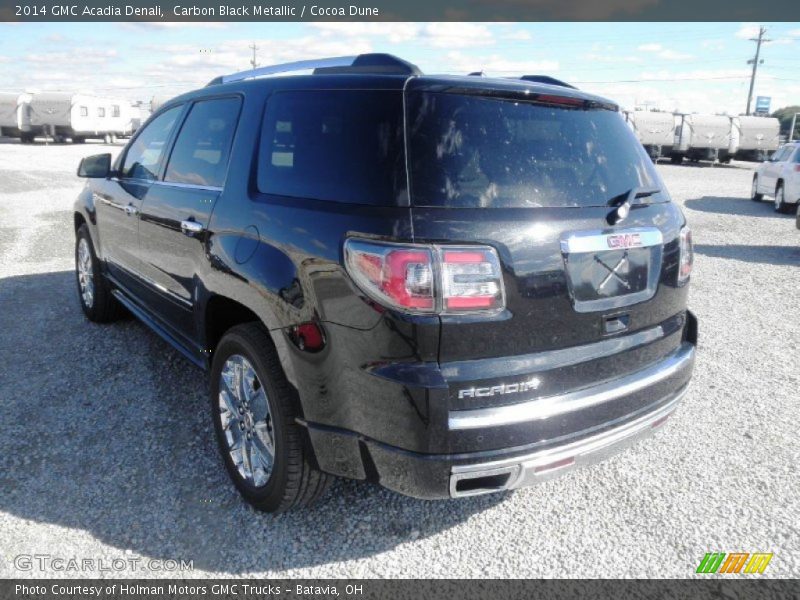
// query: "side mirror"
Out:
[95,167]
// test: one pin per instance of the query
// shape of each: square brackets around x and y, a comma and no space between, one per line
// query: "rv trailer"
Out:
[759,137]
[703,137]
[63,115]
[157,102]
[655,130]
[15,118]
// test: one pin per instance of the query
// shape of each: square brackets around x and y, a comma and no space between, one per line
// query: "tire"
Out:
[780,201]
[113,138]
[754,195]
[676,159]
[287,479]
[99,305]
[797,217]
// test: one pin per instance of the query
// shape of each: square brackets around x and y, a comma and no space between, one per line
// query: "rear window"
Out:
[469,151]
[339,146]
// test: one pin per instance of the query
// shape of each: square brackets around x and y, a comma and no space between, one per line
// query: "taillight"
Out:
[421,278]
[686,256]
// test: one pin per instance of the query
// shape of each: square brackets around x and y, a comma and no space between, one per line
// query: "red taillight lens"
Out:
[427,279]
[686,256]
[397,276]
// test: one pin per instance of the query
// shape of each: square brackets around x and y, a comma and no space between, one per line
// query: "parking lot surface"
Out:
[107,449]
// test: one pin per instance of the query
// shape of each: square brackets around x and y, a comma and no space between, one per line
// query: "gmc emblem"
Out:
[624,240]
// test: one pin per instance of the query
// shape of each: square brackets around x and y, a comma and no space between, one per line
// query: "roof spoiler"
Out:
[375,63]
[547,79]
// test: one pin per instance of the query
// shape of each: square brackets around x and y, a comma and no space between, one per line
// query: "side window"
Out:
[797,155]
[115,110]
[101,111]
[84,111]
[203,146]
[339,146]
[144,154]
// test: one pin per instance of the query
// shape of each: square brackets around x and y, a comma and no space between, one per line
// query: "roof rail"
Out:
[547,79]
[376,63]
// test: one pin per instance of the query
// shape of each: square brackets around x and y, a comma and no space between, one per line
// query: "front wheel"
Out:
[754,195]
[780,200]
[254,409]
[97,302]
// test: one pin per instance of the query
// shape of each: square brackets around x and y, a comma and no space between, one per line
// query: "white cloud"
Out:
[518,35]
[747,31]
[611,58]
[650,48]
[456,35]
[495,64]
[437,35]
[87,55]
[665,53]
[394,32]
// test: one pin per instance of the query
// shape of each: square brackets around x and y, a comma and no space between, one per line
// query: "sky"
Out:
[689,67]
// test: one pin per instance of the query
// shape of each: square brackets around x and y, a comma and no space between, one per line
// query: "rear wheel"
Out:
[754,195]
[780,200]
[254,410]
[94,293]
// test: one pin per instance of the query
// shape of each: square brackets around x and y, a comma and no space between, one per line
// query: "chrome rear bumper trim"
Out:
[542,408]
[533,468]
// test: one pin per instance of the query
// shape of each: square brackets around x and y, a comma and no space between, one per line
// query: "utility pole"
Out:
[755,62]
[254,48]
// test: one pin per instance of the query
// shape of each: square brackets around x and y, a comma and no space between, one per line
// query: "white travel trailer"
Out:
[759,137]
[704,137]
[64,115]
[655,130]
[157,102]
[15,119]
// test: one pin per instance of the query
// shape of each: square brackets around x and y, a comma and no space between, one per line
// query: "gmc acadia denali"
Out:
[445,285]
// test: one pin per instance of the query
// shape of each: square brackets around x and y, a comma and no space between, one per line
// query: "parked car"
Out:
[779,177]
[446,285]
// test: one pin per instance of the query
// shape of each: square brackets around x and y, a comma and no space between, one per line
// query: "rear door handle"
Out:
[191,227]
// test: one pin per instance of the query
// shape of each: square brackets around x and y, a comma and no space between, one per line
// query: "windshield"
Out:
[470,151]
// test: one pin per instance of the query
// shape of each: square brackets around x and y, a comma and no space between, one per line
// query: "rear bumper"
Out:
[434,476]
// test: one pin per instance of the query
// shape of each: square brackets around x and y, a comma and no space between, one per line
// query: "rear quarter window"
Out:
[334,145]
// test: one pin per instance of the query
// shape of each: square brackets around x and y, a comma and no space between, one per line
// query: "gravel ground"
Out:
[107,450]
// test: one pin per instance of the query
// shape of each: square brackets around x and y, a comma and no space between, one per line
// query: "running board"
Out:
[148,320]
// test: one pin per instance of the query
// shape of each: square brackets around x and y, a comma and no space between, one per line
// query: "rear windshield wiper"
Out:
[625,201]
[632,195]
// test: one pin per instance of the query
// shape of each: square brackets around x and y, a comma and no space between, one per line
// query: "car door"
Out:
[119,199]
[772,170]
[175,215]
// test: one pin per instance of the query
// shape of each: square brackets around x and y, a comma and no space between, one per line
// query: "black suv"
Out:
[445,285]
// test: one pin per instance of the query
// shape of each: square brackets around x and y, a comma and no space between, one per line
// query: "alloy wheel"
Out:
[246,421]
[85,273]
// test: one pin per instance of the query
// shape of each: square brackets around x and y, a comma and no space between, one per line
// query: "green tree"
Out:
[784,115]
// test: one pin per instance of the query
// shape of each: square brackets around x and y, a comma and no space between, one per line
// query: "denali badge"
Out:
[624,240]
[503,388]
